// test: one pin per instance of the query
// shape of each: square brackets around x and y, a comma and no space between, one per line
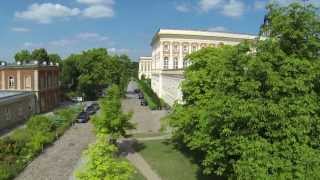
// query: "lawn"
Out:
[168,162]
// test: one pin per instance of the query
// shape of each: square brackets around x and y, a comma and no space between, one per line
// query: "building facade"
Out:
[145,67]
[40,79]
[15,107]
[169,49]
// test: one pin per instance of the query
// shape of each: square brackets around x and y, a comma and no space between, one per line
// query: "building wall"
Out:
[43,81]
[169,51]
[145,67]
[16,109]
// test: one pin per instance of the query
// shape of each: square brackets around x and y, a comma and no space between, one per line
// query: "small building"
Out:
[40,79]
[145,67]
[15,107]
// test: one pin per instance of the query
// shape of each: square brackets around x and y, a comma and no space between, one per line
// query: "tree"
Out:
[256,116]
[296,27]
[111,120]
[23,56]
[40,55]
[55,58]
[103,164]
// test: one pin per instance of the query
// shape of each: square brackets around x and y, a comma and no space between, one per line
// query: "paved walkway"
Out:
[59,161]
[146,121]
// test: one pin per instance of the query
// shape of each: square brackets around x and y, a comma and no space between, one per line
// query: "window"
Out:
[185,63]
[11,83]
[194,48]
[175,63]
[185,48]
[176,48]
[166,47]
[27,82]
[166,63]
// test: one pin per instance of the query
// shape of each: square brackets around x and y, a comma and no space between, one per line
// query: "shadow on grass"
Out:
[194,157]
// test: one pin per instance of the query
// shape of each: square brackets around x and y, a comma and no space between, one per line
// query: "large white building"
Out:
[169,49]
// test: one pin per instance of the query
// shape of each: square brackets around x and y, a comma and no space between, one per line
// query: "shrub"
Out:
[152,99]
[103,164]
[18,149]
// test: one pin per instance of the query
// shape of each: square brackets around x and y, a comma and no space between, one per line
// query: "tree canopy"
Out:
[257,115]
[91,71]
[40,55]
[23,56]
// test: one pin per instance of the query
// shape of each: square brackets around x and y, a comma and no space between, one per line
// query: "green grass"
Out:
[138,176]
[170,163]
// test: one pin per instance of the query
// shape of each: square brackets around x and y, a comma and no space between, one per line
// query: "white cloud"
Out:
[20,29]
[45,13]
[116,50]
[234,8]
[95,2]
[259,5]
[91,36]
[206,5]
[182,8]
[98,11]
[218,28]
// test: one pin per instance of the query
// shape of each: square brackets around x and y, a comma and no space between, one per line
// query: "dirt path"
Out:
[59,161]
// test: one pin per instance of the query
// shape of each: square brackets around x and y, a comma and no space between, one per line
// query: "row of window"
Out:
[146,67]
[185,47]
[175,63]
[12,82]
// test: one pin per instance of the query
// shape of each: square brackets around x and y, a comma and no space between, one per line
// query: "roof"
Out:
[146,58]
[26,66]
[203,33]
[6,96]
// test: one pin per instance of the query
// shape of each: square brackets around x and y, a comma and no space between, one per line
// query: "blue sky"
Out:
[122,26]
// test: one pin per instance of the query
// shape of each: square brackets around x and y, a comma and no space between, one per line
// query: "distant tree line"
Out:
[40,55]
[90,72]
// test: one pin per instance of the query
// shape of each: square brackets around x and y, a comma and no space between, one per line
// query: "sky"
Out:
[121,26]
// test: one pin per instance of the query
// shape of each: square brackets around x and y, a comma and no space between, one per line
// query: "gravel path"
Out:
[146,121]
[59,161]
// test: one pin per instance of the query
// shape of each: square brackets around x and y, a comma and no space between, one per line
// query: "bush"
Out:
[103,163]
[152,99]
[18,149]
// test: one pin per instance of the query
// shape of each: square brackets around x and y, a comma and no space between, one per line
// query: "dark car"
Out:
[137,91]
[143,102]
[141,96]
[91,110]
[83,117]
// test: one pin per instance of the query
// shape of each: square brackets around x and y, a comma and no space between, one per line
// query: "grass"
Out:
[138,176]
[170,163]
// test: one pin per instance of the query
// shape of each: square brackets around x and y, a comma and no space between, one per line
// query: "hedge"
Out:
[19,148]
[152,99]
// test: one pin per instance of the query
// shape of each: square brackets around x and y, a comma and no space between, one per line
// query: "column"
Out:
[36,80]
[18,80]
[3,80]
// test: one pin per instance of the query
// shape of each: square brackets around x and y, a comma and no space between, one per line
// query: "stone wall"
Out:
[171,90]
[16,109]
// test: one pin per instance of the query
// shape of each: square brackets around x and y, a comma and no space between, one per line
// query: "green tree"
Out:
[23,56]
[55,58]
[111,120]
[255,115]
[103,164]
[296,27]
[40,55]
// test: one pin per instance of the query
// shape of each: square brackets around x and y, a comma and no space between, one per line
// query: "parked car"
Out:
[83,117]
[143,102]
[140,96]
[137,91]
[90,110]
